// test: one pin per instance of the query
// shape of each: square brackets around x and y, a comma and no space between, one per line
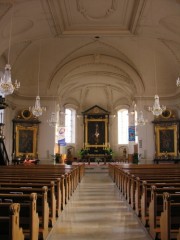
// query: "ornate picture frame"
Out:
[96,133]
[26,140]
[166,140]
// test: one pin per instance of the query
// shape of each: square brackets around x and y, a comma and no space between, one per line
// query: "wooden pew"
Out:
[130,180]
[146,196]
[59,186]
[70,177]
[34,187]
[51,173]
[29,220]
[156,208]
[170,217]
[9,222]
[42,209]
[137,186]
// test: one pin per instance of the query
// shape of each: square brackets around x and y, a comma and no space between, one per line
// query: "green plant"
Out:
[135,158]
[108,151]
[58,157]
[83,152]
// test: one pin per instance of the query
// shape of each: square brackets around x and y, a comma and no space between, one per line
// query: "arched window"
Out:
[123,123]
[70,125]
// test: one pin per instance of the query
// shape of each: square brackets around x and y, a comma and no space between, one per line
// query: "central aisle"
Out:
[97,211]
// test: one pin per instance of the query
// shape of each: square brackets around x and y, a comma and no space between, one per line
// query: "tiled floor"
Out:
[97,211]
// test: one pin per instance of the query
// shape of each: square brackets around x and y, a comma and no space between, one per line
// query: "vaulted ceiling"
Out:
[87,52]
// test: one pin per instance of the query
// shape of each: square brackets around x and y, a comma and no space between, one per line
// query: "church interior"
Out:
[89,105]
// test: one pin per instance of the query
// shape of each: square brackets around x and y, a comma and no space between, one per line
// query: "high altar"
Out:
[96,133]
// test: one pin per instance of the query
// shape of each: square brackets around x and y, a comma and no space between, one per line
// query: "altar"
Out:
[97,158]
[96,135]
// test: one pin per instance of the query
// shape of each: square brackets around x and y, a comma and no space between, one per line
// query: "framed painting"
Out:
[166,140]
[26,140]
[96,133]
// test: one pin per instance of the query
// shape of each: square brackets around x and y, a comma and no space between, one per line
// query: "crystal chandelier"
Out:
[53,120]
[141,121]
[156,109]
[178,82]
[6,85]
[37,110]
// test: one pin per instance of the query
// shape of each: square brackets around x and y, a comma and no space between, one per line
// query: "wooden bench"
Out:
[29,220]
[37,188]
[146,196]
[156,208]
[31,178]
[170,217]
[42,208]
[9,222]
[43,172]
[135,183]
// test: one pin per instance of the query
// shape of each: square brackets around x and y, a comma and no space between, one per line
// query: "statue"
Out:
[124,153]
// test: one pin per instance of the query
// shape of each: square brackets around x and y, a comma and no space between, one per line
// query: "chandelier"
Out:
[178,82]
[6,85]
[140,120]
[37,110]
[53,120]
[156,109]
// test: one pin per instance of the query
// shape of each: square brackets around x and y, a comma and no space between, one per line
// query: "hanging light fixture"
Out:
[6,85]
[141,121]
[37,110]
[156,109]
[53,119]
[178,82]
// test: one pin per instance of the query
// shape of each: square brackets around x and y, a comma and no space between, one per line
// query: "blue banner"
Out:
[62,142]
[131,133]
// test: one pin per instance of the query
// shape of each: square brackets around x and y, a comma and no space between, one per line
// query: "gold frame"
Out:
[28,135]
[105,144]
[166,140]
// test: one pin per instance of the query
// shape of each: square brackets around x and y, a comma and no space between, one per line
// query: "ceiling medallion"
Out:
[84,11]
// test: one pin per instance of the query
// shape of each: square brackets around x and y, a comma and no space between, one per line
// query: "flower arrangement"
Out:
[56,157]
[83,152]
[108,151]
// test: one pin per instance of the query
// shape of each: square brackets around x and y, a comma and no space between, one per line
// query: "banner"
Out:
[61,136]
[131,133]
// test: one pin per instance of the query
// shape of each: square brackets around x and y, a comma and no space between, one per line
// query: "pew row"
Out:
[170,217]
[28,220]
[9,222]
[42,209]
[137,183]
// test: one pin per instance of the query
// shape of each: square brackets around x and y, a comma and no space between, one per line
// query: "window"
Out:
[70,125]
[135,118]
[123,123]
[1,115]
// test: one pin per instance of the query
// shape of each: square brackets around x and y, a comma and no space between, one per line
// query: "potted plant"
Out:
[58,158]
[135,158]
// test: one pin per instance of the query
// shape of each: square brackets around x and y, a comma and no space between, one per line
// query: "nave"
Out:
[97,211]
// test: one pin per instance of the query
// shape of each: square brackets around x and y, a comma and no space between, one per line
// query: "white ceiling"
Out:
[87,52]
